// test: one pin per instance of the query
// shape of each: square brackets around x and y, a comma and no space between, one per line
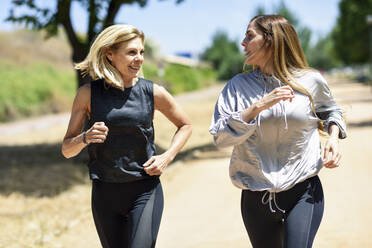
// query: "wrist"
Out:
[334,131]
[170,156]
[84,137]
[257,107]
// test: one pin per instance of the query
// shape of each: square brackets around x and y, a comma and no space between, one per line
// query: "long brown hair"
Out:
[287,56]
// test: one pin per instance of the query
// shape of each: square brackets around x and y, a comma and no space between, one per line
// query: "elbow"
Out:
[186,128]
[65,153]
[189,129]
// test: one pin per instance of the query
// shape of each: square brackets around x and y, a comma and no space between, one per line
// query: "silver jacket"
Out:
[281,146]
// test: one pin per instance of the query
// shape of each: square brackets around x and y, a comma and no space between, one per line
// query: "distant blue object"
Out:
[184,54]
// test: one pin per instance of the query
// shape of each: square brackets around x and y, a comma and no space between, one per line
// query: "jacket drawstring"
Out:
[272,197]
[263,78]
[281,103]
[259,114]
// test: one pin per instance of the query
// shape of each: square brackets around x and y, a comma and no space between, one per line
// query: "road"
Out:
[202,207]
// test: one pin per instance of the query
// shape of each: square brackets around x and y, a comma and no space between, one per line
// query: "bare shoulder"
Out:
[159,90]
[162,98]
[84,91]
[160,93]
[82,98]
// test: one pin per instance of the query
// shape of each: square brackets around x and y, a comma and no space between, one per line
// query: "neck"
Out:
[267,68]
[130,83]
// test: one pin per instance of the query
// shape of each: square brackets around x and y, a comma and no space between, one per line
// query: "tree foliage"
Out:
[351,34]
[322,54]
[101,14]
[225,56]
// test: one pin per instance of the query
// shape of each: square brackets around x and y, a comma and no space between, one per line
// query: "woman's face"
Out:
[127,58]
[254,48]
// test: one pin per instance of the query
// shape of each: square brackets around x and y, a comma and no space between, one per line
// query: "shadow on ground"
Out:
[366,123]
[42,171]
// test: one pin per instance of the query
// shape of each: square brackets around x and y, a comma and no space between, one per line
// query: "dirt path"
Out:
[202,207]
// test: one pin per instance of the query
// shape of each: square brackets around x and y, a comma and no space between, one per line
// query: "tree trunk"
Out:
[78,56]
[82,80]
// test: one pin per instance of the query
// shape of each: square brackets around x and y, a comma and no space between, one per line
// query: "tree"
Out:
[322,54]
[101,14]
[224,55]
[351,32]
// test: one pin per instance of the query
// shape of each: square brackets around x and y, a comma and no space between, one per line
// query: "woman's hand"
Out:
[166,104]
[97,133]
[278,94]
[331,154]
[157,164]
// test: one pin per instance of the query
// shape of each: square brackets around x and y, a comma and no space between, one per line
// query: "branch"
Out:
[112,11]
[37,20]
[93,9]
[63,12]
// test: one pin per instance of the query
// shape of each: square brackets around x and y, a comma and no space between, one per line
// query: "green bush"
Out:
[33,88]
[181,78]
[42,88]
[150,71]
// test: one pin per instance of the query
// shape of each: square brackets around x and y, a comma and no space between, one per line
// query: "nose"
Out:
[139,57]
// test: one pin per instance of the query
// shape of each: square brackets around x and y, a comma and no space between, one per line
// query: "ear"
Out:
[109,53]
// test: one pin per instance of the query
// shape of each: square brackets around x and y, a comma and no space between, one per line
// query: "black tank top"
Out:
[129,144]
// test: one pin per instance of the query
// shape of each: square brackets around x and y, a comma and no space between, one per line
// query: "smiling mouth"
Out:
[135,68]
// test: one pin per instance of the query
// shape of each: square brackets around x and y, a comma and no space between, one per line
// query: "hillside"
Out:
[37,76]
[23,47]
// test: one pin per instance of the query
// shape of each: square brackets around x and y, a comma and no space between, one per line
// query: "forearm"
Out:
[73,146]
[251,112]
[334,131]
[179,140]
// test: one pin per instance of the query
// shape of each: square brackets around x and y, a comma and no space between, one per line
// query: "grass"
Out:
[41,88]
[34,89]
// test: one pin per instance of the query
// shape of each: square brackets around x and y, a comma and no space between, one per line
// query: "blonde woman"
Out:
[271,117]
[127,198]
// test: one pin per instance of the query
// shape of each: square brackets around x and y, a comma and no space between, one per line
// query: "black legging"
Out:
[127,215]
[296,228]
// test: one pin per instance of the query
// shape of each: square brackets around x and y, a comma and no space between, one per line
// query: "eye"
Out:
[132,52]
[142,52]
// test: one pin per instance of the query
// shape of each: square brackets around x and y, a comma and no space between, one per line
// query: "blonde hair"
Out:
[96,64]
[287,56]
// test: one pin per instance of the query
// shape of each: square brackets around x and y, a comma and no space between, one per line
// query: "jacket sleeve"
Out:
[227,126]
[326,107]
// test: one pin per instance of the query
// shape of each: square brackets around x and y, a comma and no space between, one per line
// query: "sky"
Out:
[189,26]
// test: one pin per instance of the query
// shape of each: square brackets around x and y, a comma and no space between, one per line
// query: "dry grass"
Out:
[23,47]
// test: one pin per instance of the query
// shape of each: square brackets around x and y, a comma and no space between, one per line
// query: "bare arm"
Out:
[73,142]
[166,104]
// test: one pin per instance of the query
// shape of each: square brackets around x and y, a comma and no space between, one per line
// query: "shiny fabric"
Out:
[129,144]
[281,146]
